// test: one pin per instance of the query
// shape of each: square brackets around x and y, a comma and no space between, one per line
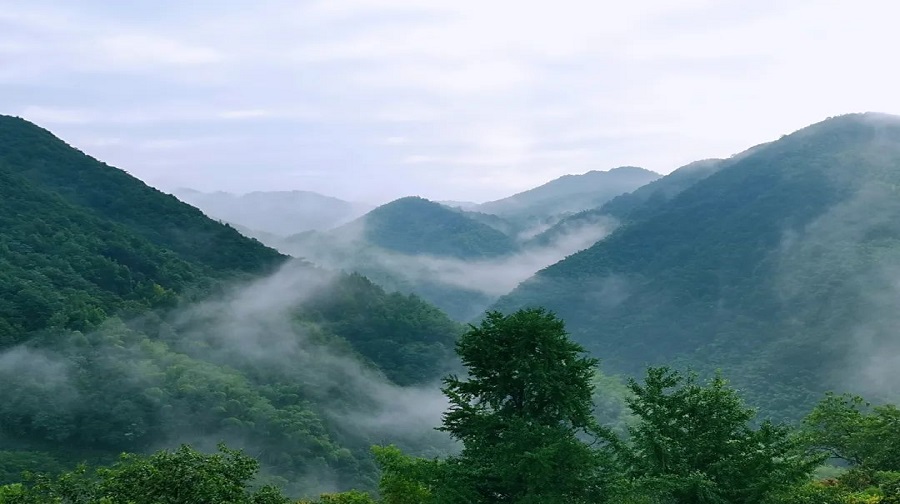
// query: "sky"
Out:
[468,100]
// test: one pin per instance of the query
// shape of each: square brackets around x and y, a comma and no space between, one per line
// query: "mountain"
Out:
[130,321]
[413,245]
[778,268]
[570,193]
[646,199]
[82,240]
[280,213]
[414,225]
[630,206]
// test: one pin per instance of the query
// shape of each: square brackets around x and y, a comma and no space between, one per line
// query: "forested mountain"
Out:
[281,213]
[415,225]
[570,193]
[646,199]
[130,321]
[81,240]
[413,245]
[460,261]
[779,267]
[634,205]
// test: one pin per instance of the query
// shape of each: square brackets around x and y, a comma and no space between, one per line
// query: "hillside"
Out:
[776,268]
[646,199]
[82,240]
[415,226]
[281,213]
[130,321]
[413,245]
[570,193]
[633,206]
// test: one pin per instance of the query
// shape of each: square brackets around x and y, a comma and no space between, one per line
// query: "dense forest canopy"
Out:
[523,414]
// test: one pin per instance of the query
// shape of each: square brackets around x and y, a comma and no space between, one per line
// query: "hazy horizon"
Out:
[371,100]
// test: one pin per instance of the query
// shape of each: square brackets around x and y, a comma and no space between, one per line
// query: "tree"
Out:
[183,476]
[846,427]
[404,479]
[694,443]
[521,415]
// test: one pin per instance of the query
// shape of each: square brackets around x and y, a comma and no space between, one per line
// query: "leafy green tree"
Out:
[522,414]
[404,479]
[695,443]
[848,428]
[349,497]
[183,476]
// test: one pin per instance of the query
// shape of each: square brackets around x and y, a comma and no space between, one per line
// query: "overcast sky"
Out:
[455,99]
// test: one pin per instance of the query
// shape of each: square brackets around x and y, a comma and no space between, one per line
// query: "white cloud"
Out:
[129,50]
[488,96]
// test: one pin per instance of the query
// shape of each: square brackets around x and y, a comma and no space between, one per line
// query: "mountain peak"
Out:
[415,225]
[571,193]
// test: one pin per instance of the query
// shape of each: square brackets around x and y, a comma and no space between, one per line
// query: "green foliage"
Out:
[520,413]
[82,241]
[695,443]
[50,165]
[846,427]
[851,488]
[404,479]
[350,497]
[409,339]
[183,476]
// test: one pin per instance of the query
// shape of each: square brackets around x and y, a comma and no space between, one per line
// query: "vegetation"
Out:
[120,330]
[523,416]
[130,322]
[775,267]
[416,226]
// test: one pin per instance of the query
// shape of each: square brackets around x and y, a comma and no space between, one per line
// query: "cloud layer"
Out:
[374,99]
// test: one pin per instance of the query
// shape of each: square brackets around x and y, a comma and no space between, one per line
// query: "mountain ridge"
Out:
[702,278]
[570,193]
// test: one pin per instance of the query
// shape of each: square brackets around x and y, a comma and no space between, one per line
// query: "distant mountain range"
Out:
[570,193]
[281,213]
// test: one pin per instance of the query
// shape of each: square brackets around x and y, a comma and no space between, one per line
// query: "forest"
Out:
[149,353]
[523,416]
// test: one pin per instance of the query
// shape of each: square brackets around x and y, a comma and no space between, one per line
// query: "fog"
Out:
[499,276]
[489,277]
[848,280]
[252,327]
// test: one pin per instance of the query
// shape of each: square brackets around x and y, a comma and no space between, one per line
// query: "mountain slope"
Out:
[281,213]
[49,164]
[769,268]
[571,193]
[412,245]
[415,226]
[632,206]
[82,241]
[130,321]
[644,200]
